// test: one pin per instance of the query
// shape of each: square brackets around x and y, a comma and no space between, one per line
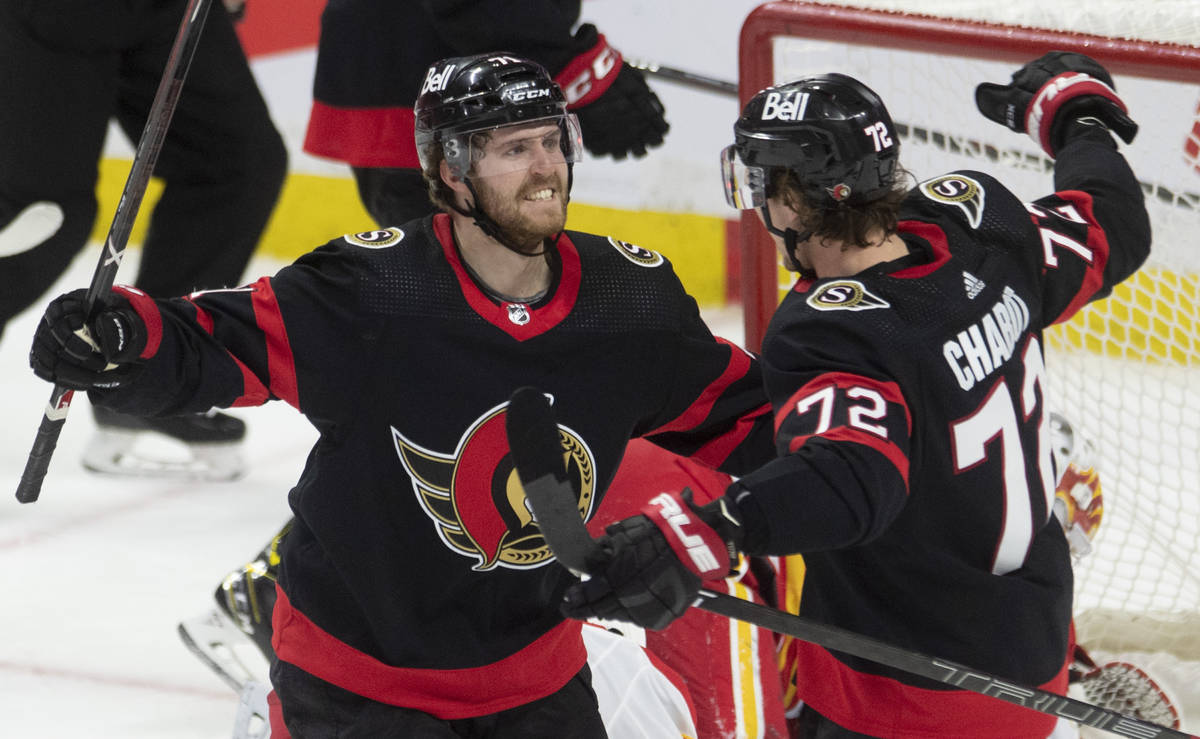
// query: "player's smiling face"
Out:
[521,180]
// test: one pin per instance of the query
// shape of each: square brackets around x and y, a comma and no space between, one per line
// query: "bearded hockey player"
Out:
[906,374]
[416,595]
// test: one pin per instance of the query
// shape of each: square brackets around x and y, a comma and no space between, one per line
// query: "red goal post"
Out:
[1126,370]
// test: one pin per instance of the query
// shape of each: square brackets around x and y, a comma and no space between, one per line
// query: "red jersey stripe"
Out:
[534,672]
[280,363]
[739,365]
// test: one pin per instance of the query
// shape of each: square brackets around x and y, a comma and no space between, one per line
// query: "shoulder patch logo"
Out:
[375,239]
[636,254]
[845,295]
[958,190]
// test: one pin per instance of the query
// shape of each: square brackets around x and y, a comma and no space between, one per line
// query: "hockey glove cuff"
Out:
[83,353]
[1048,95]
[618,113]
[648,568]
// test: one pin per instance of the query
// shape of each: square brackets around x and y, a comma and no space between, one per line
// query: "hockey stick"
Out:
[536,449]
[683,77]
[148,148]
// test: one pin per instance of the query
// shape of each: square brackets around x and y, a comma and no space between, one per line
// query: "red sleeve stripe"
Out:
[736,369]
[889,390]
[147,310]
[1097,241]
[253,391]
[888,449]
[843,433]
[281,366]
[716,451]
[202,318]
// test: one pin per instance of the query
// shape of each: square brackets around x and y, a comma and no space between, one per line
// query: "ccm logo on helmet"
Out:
[784,106]
[518,96]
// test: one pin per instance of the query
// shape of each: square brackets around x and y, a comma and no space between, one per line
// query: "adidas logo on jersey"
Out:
[973,284]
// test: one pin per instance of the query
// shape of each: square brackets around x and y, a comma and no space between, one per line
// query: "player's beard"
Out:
[525,232]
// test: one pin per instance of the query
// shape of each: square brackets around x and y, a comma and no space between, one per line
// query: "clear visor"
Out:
[505,149]
[745,186]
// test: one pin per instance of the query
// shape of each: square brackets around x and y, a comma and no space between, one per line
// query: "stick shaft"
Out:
[684,77]
[157,121]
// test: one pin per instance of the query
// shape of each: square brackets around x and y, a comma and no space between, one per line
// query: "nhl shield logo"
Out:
[845,295]
[475,499]
[518,313]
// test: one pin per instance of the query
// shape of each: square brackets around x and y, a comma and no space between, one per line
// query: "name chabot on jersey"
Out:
[981,348]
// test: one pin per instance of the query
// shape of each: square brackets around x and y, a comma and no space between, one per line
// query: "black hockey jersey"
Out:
[372,59]
[915,472]
[414,573]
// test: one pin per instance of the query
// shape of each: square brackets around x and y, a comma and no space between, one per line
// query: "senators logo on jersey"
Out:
[640,256]
[845,295]
[958,190]
[477,502]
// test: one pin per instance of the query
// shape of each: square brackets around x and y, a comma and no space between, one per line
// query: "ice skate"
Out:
[200,446]
[234,637]
[220,644]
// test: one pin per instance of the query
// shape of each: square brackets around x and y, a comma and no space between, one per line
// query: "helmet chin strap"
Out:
[489,226]
[791,237]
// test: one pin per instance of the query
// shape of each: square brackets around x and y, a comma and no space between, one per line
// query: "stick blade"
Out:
[537,453]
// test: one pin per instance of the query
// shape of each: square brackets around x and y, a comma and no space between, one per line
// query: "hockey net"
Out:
[1125,371]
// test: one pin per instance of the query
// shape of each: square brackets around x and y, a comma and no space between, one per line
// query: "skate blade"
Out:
[218,643]
[150,454]
[253,715]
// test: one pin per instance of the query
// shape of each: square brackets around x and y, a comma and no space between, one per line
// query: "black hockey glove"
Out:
[618,112]
[83,353]
[1051,93]
[648,568]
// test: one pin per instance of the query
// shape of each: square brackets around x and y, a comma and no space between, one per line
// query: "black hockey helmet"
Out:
[467,95]
[831,130]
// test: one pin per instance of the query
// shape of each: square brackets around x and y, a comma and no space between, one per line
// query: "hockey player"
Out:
[366,81]
[362,114]
[66,69]
[906,374]
[415,592]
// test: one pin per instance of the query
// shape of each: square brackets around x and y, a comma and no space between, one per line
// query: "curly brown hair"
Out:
[852,225]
